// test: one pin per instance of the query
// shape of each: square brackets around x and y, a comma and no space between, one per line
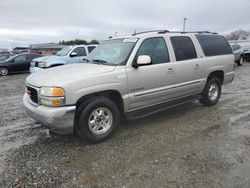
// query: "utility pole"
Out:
[184,24]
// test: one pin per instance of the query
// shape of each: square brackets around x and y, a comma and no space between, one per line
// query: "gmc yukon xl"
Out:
[130,76]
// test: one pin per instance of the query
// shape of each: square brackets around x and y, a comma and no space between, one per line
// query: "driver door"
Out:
[81,54]
[154,83]
[19,63]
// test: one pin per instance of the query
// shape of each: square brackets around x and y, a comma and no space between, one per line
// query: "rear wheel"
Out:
[212,92]
[241,61]
[97,119]
[3,71]
[53,134]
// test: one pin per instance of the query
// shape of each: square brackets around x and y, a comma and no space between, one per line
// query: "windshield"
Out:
[235,47]
[64,51]
[112,52]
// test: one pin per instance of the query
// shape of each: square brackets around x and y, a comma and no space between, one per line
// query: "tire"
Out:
[53,134]
[212,92]
[97,119]
[241,61]
[3,71]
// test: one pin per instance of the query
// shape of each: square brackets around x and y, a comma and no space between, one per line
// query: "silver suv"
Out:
[130,76]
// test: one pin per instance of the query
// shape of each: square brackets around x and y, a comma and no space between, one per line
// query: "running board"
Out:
[137,114]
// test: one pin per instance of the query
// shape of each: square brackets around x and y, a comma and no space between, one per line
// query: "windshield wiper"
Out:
[85,60]
[103,62]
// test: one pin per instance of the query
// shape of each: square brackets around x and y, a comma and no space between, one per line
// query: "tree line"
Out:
[78,42]
[238,35]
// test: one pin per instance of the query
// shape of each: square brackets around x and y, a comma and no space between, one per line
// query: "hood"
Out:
[49,58]
[57,76]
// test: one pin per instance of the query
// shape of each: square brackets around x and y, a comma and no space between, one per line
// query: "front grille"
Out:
[36,64]
[32,92]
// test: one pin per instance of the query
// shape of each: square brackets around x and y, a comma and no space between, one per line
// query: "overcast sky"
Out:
[24,22]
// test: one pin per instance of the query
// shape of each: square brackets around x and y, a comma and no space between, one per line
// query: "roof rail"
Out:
[167,31]
[199,32]
[158,31]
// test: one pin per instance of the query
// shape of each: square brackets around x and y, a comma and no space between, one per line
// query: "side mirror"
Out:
[73,54]
[142,60]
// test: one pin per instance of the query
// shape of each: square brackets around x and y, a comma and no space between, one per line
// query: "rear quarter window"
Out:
[213,45]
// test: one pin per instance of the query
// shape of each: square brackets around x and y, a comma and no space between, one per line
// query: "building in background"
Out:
[4,51]
[46,48]
[19,50]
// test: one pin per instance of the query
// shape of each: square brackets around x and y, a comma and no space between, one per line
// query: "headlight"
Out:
[42,64]
[52,91]
[52,96]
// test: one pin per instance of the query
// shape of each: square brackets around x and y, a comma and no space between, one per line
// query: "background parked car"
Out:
[4,57]
[238,54]
[17,63]
[68,55]
[246,55]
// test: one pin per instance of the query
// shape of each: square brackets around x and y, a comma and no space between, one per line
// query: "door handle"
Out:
[170,70]
[197,66]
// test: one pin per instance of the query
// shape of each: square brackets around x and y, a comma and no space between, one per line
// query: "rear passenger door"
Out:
[188,66]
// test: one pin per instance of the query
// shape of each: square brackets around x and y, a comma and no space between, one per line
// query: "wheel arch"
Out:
[218,73]
[113,95]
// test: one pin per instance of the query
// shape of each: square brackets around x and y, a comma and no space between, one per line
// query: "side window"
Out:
[183,48]
[80,51]
[156,48]
[20,58]
[213,45]
[91,48]
[30,57]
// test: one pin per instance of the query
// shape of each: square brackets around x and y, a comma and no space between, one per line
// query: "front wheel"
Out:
[97,119]
[3,71]
[212,92]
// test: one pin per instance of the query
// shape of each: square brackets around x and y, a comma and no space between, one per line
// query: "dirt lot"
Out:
[189,146]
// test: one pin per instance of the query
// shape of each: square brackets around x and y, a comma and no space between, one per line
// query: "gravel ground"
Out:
[188,146]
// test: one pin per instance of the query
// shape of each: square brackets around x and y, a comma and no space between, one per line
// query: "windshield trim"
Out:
[129,54]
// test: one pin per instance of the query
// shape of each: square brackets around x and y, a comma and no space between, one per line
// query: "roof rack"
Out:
[199,32]
[167,31]
[151,31]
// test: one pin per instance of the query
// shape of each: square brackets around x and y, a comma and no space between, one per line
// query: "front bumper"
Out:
[35,69]
[58,119]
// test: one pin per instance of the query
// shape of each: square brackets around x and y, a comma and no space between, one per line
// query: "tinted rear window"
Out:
[213,45]
[183,48]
